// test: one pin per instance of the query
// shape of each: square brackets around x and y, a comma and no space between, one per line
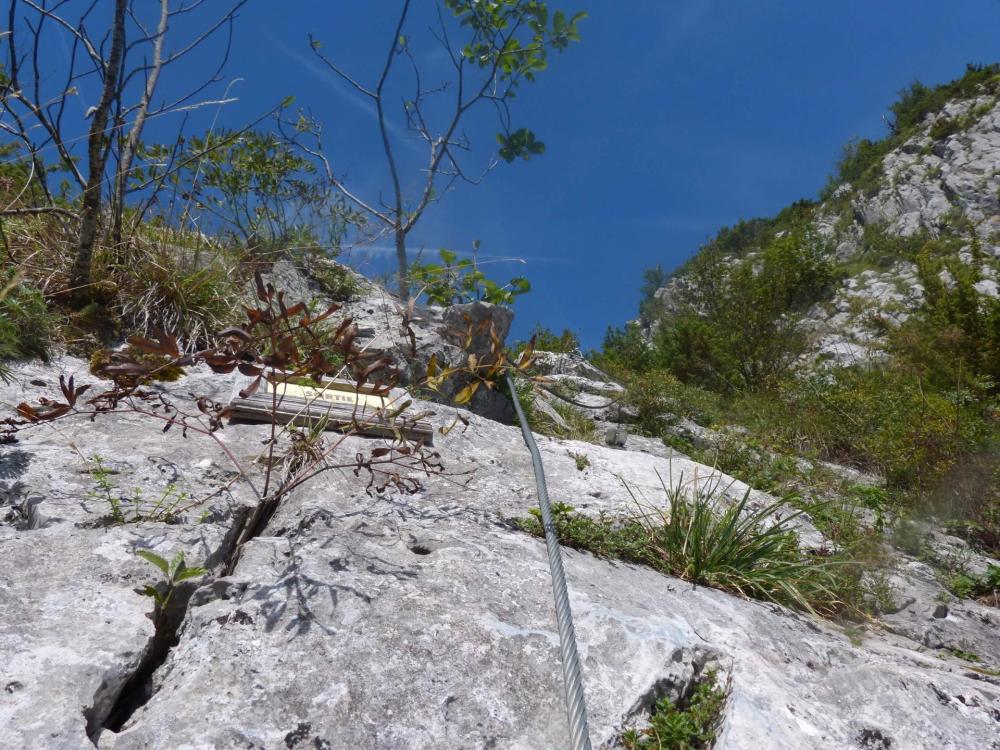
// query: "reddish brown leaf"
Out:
[261,291]
[329,311]
[252,388]
[218,359]
[28,412]
[376,365]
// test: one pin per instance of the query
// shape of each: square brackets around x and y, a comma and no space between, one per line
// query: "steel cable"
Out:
[576,705]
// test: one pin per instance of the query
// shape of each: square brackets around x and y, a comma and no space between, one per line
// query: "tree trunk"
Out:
[131,144]
[404,282]
[97,158]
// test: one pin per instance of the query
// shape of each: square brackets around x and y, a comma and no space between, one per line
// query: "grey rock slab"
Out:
[930,616]
[567,363]
[73,628]
[47,476]
[343,637]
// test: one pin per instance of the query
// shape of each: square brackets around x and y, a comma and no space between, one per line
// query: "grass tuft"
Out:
[703,539]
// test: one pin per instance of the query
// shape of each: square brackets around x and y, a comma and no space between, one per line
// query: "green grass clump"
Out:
[123,508]
[26,325]
[752,553]
[580,426]
[743,458]
[690,724]
[170,291]
[336,280]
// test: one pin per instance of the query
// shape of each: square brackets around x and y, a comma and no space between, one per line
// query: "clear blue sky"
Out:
[670,119]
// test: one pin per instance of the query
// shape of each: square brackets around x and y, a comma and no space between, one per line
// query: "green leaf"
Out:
[287,101]
[447,256]
[149,591]
[190,573]
[176,564]
[154,558]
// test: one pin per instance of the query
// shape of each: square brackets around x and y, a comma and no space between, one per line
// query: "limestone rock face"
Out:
[928,178]
[927,183]
[568,381]
[387,621]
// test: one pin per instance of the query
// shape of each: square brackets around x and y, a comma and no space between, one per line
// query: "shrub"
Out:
[743,458]
[985,586]
[884,420]
[625,349]
[659,398]
[653,279]
[548,341]
[739,326]
[955,337]
[454,281]
[860,163]
[884,249]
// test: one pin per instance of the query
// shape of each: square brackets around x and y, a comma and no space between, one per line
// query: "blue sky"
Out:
[670,119]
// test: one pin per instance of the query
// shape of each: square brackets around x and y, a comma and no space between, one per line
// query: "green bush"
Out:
[738,328]
[883,249]
[884,420]
[657,396]
[972,586]
[955,338]
[625,349]
[454,281]
[860,164]
[918,101]
[548,341]
[743,458]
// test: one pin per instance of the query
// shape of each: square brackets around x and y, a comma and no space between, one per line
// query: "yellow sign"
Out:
[325,394]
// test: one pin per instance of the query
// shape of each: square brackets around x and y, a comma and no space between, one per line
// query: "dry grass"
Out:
[162,280]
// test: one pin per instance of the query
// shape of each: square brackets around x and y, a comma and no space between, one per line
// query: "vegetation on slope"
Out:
[727,345]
